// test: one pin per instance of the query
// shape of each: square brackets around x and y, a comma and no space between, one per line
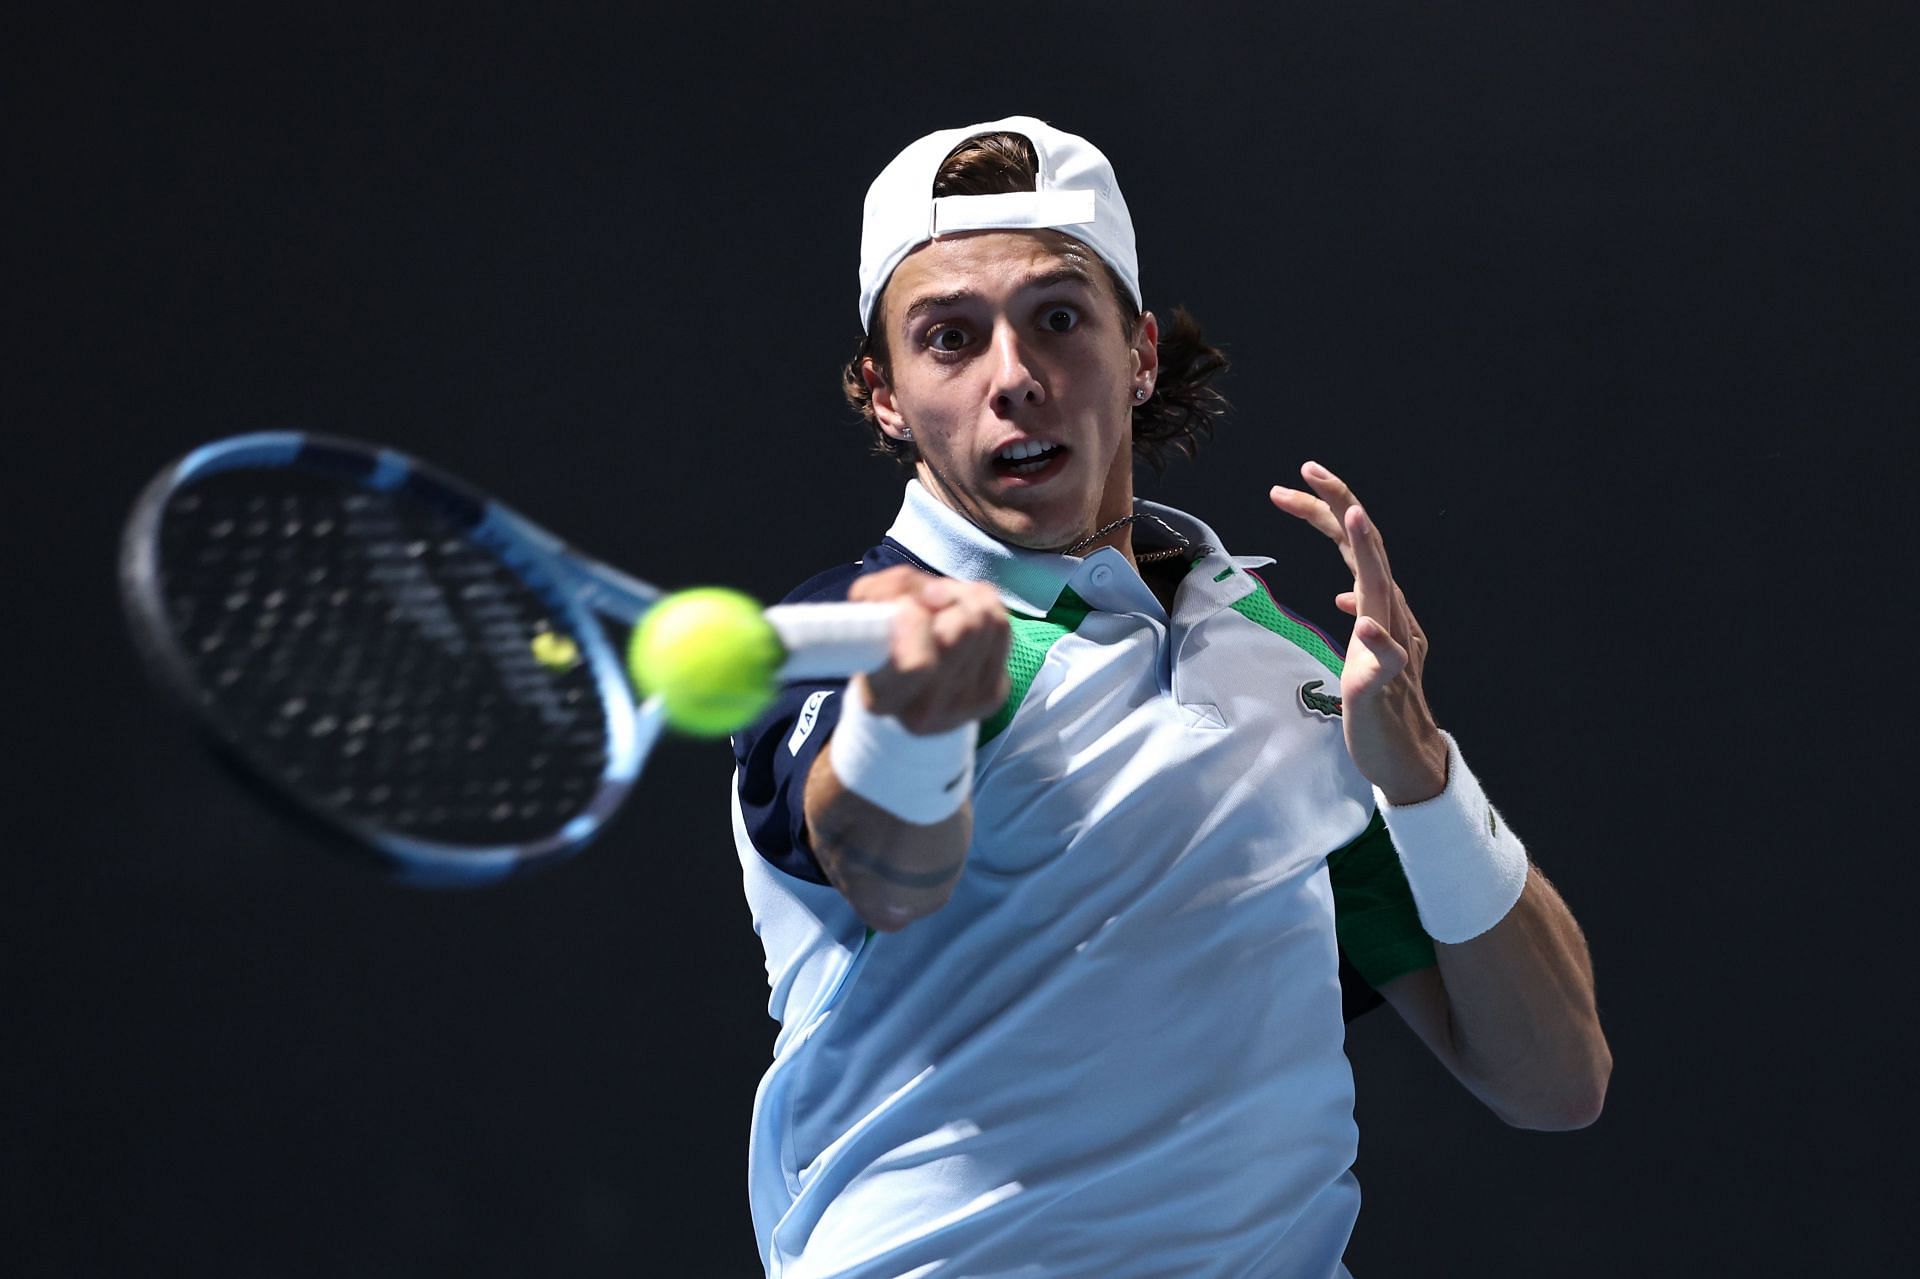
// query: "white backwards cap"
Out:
[1075,192]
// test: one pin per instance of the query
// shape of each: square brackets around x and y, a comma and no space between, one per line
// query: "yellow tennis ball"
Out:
[710,656]
[554,651]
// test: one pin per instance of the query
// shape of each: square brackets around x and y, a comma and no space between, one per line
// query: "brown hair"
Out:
[1175,418]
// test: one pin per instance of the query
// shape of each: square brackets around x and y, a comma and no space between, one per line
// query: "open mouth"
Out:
[1029,460]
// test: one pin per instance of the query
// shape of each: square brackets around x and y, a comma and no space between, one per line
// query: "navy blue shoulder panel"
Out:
[775,753]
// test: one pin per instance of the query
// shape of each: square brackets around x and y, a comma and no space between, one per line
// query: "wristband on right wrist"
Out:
[919,778]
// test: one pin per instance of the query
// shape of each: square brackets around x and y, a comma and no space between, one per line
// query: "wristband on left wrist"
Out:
[1464,864]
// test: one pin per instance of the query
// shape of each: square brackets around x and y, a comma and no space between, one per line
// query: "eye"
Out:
[947,337]
[1059,319]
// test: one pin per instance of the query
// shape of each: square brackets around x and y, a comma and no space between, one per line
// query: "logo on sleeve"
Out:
[1321,704]
[809,716]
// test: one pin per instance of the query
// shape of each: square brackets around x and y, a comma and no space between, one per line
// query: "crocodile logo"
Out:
[1319,703]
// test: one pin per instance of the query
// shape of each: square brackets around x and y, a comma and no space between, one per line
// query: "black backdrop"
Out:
[1607,311]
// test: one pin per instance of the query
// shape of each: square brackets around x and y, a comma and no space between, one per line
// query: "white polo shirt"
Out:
[1117,1050]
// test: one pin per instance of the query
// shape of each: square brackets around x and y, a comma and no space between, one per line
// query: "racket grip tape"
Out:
[832,641]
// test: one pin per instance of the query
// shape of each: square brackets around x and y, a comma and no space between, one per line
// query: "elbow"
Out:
[1574,1100]
[1561,1114]
[892,916]
[886,895]
[888,909]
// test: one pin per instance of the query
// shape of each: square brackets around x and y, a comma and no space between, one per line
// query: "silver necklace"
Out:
[1143,557]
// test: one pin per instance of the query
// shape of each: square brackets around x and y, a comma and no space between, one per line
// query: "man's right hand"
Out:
[948,662]
[947,670]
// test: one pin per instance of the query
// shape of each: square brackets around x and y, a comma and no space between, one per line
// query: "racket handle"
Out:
[832,641]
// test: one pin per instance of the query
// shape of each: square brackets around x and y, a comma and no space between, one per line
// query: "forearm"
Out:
[1510,1006]
[887,802]
[890,870]
[1522,1028]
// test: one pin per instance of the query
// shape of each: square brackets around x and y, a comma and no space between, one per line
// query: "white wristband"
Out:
[1465,866]
[919,779]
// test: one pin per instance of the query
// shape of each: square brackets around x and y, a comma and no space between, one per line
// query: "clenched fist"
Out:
[948,662]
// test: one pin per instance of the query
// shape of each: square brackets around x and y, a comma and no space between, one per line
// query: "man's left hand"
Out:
[1390,732]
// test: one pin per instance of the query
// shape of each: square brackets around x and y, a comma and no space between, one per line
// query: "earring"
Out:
[1139,393]
[906,432]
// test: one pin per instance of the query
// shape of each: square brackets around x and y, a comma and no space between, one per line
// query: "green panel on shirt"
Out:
[1373,911]
[1258,606]
[1374,915]
[1032,637]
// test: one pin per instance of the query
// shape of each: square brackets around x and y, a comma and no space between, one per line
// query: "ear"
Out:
[1146,350]
[885,410]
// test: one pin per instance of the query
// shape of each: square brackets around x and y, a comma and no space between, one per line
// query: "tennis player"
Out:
[1063,907]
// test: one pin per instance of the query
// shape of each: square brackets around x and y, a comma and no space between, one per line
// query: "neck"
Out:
[1116,533]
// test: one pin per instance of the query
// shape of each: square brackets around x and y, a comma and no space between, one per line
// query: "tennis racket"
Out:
[399,660]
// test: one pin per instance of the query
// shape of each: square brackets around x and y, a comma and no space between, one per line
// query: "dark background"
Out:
[1607,312]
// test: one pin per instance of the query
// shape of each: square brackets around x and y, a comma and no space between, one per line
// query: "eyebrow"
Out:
[1062,274]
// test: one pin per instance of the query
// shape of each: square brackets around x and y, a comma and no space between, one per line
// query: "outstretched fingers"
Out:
[1307,507]
[1372,579]
[1325,507]
[1375,659]
[1330,488]
[1332,508]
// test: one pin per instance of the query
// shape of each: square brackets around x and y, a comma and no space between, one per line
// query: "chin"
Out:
[1035,519]
[1037,535]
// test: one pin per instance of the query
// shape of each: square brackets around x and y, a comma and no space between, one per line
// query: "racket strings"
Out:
[359,648]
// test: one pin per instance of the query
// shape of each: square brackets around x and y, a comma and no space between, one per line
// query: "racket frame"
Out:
[580,590]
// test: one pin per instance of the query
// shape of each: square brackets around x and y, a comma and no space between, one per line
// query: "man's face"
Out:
[1010,364]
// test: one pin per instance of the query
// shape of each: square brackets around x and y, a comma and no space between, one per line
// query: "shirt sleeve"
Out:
[773,758]
[1374,915]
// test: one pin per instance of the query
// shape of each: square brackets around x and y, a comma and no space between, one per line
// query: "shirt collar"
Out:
[1028,581]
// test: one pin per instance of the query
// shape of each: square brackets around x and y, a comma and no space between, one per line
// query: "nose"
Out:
[1015,381]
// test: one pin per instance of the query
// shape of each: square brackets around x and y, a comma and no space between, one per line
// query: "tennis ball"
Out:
[555,652]
[709,655]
